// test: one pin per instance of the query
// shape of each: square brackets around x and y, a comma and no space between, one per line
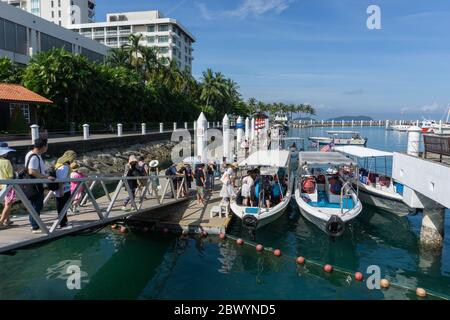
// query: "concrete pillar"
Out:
[143,128]
[186,125]
[34,133]
[414,141]
[202,138]
[432,231]
[174,126]
[252,129]
[226,137]
[247,129]
[239,131]
[85,131]
[119,129]
[161,127]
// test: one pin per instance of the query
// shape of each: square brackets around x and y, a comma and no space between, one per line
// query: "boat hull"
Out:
[383,202]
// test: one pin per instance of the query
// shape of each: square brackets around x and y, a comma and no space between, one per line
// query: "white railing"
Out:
[87,186]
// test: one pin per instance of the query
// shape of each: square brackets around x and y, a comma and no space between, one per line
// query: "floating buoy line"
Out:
[327,268]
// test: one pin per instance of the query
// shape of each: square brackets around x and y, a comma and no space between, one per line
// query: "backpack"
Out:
[53,186]
[30,190]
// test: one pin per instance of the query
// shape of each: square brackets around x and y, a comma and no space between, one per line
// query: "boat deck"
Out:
[323,202]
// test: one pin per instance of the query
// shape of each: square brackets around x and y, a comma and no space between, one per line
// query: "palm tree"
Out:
[211,87]
[118,58]
[134,50]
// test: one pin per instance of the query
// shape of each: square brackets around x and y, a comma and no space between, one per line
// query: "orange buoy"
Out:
[259,247]
[114,226]
[421,292]
[359,276]
[123,229]
[277,252]
[328,268]
[300,260]
[240,241]
[384,283]
[222,236]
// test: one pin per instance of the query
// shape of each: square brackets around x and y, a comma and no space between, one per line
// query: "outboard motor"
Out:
[335,227]
[250,222]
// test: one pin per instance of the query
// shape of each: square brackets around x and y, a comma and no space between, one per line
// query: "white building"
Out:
[61,12]
[23,34]
[172,39]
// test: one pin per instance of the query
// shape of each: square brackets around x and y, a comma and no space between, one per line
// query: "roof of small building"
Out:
[17,93]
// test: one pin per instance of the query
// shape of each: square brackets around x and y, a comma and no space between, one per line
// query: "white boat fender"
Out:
[335,227]
[250,221]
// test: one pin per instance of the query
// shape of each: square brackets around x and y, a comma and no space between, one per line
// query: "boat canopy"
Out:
[362,152]
[267,158]
[324,158]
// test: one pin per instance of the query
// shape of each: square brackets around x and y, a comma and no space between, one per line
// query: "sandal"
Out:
[3,226]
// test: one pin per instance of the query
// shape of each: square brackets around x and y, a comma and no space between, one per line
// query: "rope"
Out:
[343,270]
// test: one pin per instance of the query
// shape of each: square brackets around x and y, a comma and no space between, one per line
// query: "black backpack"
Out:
[53,186]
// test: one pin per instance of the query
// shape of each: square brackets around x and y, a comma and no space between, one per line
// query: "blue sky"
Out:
[321,51]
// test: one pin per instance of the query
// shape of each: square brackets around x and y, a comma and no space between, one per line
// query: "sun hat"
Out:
[74,166]
[154,163]
[132,159]
[5,149]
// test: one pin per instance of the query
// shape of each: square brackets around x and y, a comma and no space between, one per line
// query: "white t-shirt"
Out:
[63,173]
[36,162]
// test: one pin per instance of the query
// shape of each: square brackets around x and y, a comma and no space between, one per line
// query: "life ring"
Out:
[250,221]
[335,227]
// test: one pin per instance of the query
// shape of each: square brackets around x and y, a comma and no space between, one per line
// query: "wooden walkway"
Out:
[19,234]
[189,216]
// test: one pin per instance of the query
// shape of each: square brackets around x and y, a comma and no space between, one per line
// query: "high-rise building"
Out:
[23,34]
[171,39]
[61,12]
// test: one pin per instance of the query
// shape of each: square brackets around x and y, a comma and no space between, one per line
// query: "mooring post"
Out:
[202,137]
[161,127]
[186,125]
[143,128]
[226,137]
[174,126]
[85,131]
[34,133]
[119,129]
[247,129]
[414,141]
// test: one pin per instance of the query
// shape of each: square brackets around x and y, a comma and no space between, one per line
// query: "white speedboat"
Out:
[273,164]
[340,138]
[400,127]
[326,197]
[376,189]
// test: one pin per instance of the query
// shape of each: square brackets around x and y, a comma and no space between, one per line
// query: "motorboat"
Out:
[273,167]
[324,190]
[340,138]
[401,127]
[376,189]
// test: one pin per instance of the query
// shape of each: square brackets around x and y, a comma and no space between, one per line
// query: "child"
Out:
[77,173]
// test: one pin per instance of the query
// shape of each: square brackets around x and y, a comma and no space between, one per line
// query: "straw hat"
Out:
[132,159]
[154,163]
[5,149]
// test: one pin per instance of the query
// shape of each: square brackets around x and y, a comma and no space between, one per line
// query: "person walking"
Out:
[77,173]
[131,170]
[227,191]
[6,173]
[35,168]
[62,195]
[210,171]
[200,182]
[154,178]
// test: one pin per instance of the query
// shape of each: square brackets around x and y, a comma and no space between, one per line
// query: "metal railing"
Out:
[87,185]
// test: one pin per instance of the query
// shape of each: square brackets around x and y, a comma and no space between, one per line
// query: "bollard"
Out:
[119,129]
[174,126]
[207,125]
[143,128]
[195,125]
[85,131]
[34,133]
[161,127]
[186,125]
[239,131]
[202,138]
[414,141]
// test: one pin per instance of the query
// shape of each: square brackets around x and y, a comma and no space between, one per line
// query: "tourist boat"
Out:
[340,138]
[282,120]
[324,190]
[427,126]
[270,163]
[376,189]
[443,127]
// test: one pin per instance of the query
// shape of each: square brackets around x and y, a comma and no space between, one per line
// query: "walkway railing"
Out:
[87,185]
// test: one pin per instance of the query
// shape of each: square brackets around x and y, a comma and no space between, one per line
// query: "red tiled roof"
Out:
[16,93]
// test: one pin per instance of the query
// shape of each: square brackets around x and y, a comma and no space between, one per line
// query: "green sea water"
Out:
[151,265]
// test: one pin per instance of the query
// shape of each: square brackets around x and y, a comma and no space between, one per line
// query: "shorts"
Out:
[245,192]
[200,191]
[10,197]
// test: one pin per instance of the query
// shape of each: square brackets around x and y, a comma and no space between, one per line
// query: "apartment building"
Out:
[171,39]
[61,12]
[23,34]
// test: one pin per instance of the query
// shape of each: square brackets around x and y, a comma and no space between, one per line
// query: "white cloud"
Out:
[246,8]
[260,7]
[431,108]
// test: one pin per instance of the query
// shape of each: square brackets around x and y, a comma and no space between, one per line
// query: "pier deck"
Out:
[19,234]
[189,216]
